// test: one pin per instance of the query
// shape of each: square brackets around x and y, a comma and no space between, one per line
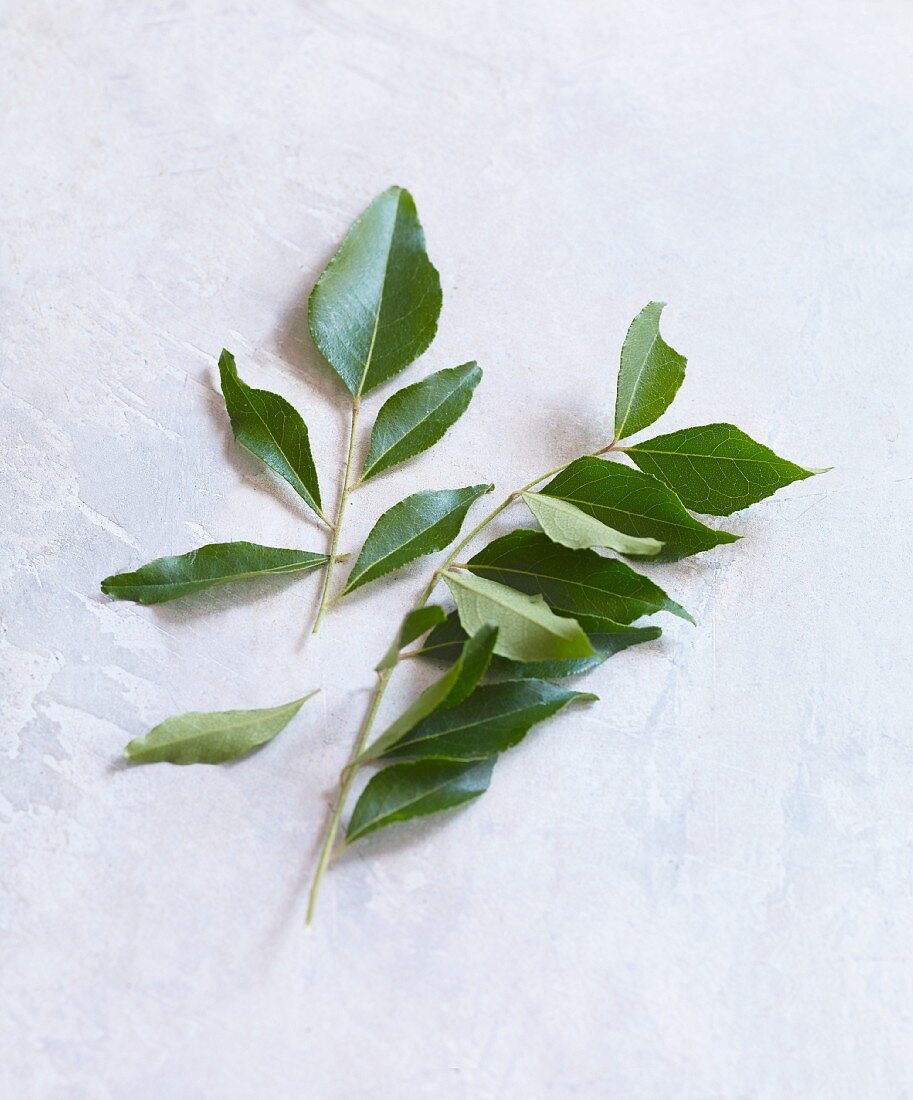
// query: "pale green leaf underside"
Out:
[494,718]
[273,430]
[218,563]
[577,583]
[716,468]
[650,374]
[415,418]
[635,503]
[375,308]
[414,625]
[211,738]
[423,523]
[404,791]
[566,524]
[609,638]
[528,630]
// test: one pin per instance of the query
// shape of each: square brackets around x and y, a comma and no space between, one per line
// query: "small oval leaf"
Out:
[528,630]
[415,418]
[494,718]
[715,469]
[218,563]
[375,308]
[273,430]
[636,504]
[579,583]
[404,791]
[650,374]
[457,682]
[423,523]
[211,737]
[609,638]
[564,523]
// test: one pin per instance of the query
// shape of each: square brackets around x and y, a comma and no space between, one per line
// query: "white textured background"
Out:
[700,888]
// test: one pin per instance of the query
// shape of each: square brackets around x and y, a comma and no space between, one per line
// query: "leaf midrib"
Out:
[643,367]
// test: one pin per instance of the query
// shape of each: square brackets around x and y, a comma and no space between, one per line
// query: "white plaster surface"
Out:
[700,888]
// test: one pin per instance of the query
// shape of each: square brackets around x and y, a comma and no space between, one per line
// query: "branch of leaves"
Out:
[534,607]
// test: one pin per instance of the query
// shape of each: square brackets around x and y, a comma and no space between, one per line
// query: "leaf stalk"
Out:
[336,526]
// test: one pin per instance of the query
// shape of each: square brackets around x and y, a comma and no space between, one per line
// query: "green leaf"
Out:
[404,791]
[421,524]
[650,375]
[527,629]
[415,418]
[270,428]
[374,310]
[610,638]
[494,718]
[211,738]
[715,469]
[456,683]
[219,563]
[578,583]
[414,625]
[566,524]
[636,504]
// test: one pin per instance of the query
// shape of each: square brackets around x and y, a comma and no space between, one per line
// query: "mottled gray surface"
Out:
[701,887]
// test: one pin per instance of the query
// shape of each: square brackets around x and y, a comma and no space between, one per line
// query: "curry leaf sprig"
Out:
[538,605]
[373,311]
[533,607]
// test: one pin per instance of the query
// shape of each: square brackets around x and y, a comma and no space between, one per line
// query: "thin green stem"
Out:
[340,513]
[348,773]
[345,782]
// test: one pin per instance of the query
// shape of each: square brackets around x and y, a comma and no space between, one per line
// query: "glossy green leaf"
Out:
[270,428]
[609,638]
[415,418]
[414,625]
[421,524]
[715,469]
[211,738]
[635,503]
[404,791]
[219,563]
[492,719]
[527,629]
[650,375]
[450,689]
[564,523]
[578,583]
[375,308]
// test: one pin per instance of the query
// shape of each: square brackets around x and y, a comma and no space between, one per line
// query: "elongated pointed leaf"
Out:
[578,583]
[375,308]
[457,682]
[218,563]
[527,629]
[273,430]
[715,469]
[421,524]
[564,523]
[494,718]
[650,375]
[211,738]
[414,625]
[610,638]
[415,418]
[404,791]
[635,503]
